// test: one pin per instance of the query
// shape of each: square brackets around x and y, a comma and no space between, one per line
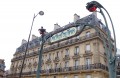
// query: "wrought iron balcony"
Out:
[48,60]
[81,68]
[32,54]
[28,55]
[67,57]
[56,59]
[88,53]
[17,58]
[76,56]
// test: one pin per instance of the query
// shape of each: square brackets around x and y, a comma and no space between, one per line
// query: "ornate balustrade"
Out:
[57,59]
[67,57]
[76,56]
[79,68]
[76,68]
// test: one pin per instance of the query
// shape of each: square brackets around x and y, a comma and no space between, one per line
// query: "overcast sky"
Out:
[16,18]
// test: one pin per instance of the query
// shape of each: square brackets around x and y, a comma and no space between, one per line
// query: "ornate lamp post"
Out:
[92,7]
[40,13]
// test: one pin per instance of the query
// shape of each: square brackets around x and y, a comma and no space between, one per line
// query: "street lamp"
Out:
[40,13]
[42,32]
[92,7]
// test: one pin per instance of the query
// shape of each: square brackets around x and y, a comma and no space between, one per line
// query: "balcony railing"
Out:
[76,56]
[88,53]
[56,59]
[28,55]
[76,68]
[17,58]
[67,57]
[79,68]
[48,60]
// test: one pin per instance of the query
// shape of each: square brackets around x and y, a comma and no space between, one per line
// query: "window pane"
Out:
[49,56]
[66,64]
[88,61]
[76,62]
[67,52]
[88,47]
[77,50]
[57,54]
[87,34]
[78,27]
[56,65]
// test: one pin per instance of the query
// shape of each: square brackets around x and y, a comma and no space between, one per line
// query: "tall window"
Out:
[56,65]
[45,57]
[88,34]
[78,28]
[76,64]
[76,50]
[88,62]
[87,47]
[88,76]
[67,52]
[48,67]
[49,57]
[57,54]
[66,64]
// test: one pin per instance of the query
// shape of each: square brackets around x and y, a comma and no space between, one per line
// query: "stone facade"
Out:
[78,56]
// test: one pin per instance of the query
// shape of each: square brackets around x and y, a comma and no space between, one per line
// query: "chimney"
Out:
[34,37]
[23,41]
[76,17]
[56,26]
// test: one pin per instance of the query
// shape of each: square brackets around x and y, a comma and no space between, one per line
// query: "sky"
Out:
[16,19]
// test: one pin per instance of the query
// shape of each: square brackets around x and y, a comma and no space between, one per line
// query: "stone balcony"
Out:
[57,59]
[76,56]
[48,61]
[66,57]
[87,53]
[79,68]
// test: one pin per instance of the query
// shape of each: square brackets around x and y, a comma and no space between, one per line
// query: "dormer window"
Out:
[88,34]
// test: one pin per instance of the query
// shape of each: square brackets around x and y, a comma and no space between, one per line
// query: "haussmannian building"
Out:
[2,68]
[66,54]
